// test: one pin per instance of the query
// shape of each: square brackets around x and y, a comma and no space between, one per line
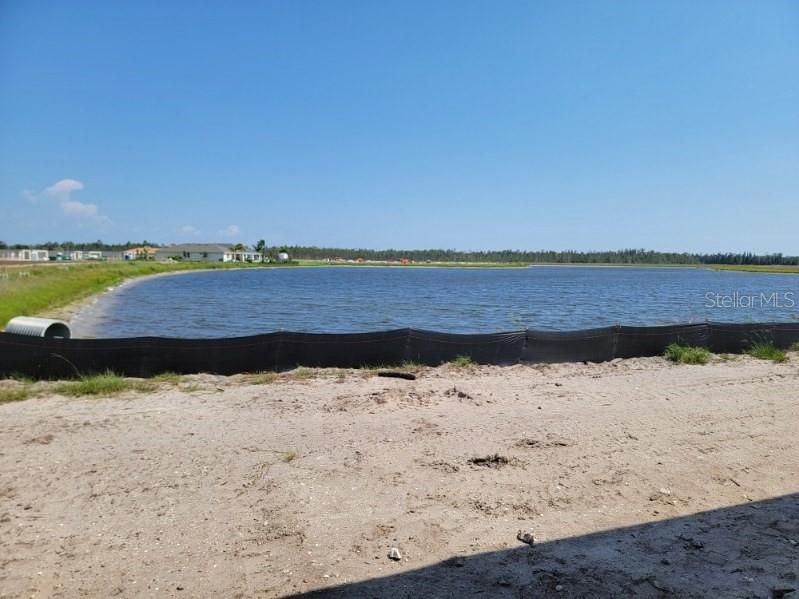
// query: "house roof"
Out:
[197,247]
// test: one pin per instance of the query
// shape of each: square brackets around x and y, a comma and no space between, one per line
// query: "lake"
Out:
[460,300]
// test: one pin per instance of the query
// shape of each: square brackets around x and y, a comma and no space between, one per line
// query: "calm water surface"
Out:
[354,299]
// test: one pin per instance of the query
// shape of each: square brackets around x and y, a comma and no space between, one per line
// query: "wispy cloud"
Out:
[189,230]
[230,231]
[60,194]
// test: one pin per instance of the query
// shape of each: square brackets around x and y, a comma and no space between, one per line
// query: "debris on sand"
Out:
[490,461]
[444,466]
[395,554]
[526,537]
[455,392]
[550,441]
[397,375]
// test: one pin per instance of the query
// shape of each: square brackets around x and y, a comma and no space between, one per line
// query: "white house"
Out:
[205,252]
[25,255]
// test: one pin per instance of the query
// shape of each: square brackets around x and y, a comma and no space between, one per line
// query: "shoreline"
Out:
[73,308]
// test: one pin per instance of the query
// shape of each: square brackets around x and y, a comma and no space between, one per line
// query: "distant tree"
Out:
[3,245]
[237,249]
[260,247]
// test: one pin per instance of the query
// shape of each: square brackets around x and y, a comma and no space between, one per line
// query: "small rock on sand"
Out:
[526,537]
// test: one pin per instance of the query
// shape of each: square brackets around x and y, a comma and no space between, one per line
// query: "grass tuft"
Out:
[767,351]
[173,378]
[108,383]
[795,346]
[261,378]
[303,374]
[463,362]
[684,354]
[9,394]
[290,456]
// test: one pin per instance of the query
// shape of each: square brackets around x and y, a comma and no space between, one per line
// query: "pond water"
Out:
[460,300]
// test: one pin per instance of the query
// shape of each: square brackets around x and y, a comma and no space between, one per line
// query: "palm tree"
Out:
[237,249]
[260,247]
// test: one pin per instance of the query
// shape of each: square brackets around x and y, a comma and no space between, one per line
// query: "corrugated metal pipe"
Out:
[38,327]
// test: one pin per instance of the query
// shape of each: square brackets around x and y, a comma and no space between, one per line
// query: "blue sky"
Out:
[469,125]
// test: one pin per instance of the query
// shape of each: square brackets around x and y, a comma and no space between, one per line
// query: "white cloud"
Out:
[73,208]
[62,189]
[60,193]
[189,230]
[230,231]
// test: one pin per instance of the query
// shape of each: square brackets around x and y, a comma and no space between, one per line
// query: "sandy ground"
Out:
[636,478]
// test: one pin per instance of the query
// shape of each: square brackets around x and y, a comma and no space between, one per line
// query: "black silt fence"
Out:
[589,345]
[147,356]
[635,342]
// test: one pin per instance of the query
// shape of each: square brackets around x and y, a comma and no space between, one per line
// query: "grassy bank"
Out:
[733,267]
[774,269]
[31,289]
[417,264]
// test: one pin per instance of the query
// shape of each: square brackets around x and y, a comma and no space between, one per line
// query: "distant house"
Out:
[205,252]
[140,253]
[27,255]
[283,257]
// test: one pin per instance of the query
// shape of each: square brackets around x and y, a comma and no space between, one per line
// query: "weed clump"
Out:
[684,354]
[767,351]
[463,362]
[108,383]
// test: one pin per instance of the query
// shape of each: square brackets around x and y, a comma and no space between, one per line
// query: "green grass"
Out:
[782,269]
[795,346]
[683,354]
[767,351]
[260,378]
[40,288]
[9,394]
[104,384]
[463,362]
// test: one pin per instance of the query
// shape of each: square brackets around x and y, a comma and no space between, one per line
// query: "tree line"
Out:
[625,256]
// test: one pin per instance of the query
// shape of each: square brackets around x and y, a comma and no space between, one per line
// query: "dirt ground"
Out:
[635,478]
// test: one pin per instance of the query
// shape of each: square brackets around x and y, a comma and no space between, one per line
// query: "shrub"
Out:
[767,351]
[463,362]
[684,354]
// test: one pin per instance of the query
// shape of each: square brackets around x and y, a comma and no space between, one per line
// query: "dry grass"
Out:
[303,374]
[9,394]
[260,378]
